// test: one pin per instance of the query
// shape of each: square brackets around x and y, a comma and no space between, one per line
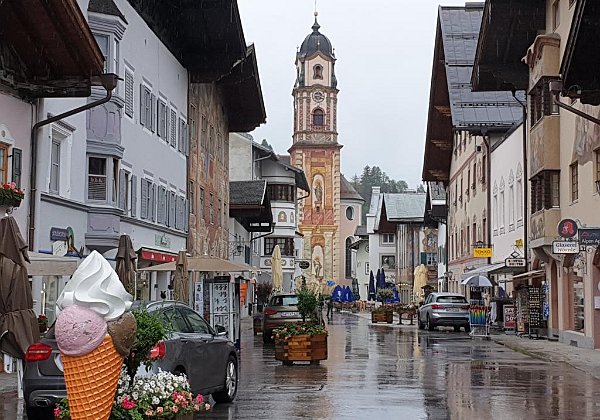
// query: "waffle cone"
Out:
[92,381]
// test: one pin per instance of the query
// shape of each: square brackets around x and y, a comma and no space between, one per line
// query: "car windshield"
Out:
[451,299]
[284,301]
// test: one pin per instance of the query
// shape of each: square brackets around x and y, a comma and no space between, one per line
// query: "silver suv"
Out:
[444,309]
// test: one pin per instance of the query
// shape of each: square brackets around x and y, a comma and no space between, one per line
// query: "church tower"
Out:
[316,150]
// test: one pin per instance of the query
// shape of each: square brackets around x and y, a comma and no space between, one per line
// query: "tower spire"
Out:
[316,25]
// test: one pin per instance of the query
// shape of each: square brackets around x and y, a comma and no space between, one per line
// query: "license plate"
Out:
[290,314]
[453,309]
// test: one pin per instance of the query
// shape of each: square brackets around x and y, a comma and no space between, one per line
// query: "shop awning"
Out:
[156,255]
[203,264]
[497,268]
[530,275]
[51,265]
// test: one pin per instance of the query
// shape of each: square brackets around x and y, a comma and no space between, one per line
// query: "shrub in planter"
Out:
[300,341]
[384,294]
[384,313]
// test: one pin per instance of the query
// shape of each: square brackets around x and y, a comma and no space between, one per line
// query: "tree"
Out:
[421,188]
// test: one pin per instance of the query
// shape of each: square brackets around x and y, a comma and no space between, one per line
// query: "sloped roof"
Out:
[361,231]
[106,7]
[347,191]
[405,207]
[247,192]
[460,33]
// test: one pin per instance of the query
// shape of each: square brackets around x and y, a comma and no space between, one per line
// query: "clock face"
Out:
[318,96]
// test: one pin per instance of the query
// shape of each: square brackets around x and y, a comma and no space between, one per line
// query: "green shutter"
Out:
[424,258]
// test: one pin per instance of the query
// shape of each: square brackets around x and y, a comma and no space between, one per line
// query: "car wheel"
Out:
[267,336]
[41,413]
[430,326]
[467,328]
[457,328]
[420,324]
[227,394]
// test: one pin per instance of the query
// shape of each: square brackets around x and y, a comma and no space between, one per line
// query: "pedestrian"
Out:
[329,308]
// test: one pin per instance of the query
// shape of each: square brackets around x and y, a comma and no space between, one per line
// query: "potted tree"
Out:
[305,340]
[385,312]
[263,292]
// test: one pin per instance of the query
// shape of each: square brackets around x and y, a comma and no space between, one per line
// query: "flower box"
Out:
[10,195]
[387,316]
[302,348]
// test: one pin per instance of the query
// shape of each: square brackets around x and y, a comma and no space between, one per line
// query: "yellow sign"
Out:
[482,252]
[519,243]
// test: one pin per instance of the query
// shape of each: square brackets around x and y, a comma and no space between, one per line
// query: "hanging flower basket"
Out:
[10,195]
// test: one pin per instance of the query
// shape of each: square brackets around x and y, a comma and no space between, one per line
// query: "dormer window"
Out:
[318,117]
[318,71]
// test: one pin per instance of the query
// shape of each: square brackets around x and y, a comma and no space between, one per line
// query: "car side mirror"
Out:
[221,331]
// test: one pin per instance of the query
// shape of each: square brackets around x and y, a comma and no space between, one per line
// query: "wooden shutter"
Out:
[162,205]
[173,128]
[180,142]
[172,208]
[186,216]
[122,199]
[153,112]
[142,105]
[152,210]
[186,140]
[17,159]
[129,93]
[144,194]
[133,195]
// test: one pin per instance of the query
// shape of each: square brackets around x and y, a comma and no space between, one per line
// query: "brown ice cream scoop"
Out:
[122,331]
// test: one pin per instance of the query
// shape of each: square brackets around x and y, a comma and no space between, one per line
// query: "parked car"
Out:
[444,309]
[282,309]
[193,347]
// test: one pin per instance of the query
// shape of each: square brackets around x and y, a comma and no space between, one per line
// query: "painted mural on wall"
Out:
[587,136]
[318,191]
[317,261]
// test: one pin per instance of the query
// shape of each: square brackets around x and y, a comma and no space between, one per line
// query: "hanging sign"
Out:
[515,262]
[482,252]
[199,296]
[567,228]
[565,247]
[589,236]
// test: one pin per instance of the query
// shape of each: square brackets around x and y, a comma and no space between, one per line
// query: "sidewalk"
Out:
[8,382]
[583,359]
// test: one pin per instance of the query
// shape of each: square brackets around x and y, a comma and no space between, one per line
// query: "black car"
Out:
[209,360]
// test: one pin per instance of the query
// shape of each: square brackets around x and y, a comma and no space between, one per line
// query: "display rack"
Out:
[479,320]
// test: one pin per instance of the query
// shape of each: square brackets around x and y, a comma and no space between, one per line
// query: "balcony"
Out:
[543,227]
[545,145]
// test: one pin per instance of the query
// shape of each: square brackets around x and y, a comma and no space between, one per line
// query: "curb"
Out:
[524,351]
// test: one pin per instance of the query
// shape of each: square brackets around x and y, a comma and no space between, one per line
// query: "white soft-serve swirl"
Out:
[96,286]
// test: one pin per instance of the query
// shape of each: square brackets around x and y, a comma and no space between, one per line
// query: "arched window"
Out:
[349,212]
[318,71]
[348,258]
[318,117]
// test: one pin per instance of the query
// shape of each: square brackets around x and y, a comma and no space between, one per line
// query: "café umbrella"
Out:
[18,323]
[125,267]
[180,281]
[277,270]
[371,291]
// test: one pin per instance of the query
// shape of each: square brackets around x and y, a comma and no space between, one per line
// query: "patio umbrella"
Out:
[349,295]
[380,279]
[396,298]
[343,294]
[477,281]
[371,291]
[355,290]
[180,282]
[18,323]
[337,293]
[125,268]
[277,270]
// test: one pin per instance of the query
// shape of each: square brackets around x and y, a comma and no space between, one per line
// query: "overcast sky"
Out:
[384,51]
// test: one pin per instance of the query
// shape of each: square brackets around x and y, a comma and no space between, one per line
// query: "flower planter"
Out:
[382,317]
[302,348]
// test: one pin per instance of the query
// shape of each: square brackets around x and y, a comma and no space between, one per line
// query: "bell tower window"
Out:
[318,117]
[318,71]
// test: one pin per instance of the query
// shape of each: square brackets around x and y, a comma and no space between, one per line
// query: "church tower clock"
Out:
[316,150]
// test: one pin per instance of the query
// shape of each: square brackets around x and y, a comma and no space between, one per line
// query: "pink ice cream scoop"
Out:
[79,330]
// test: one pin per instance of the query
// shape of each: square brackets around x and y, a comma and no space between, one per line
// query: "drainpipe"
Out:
[488,175]
[525,184]
[109,82]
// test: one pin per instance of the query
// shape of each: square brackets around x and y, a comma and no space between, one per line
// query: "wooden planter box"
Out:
[302,348]
[382,317]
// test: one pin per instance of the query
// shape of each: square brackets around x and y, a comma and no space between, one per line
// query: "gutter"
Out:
[109,82]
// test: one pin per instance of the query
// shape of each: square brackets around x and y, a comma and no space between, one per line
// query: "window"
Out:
[574,182]
[545,191]
[124,191]
[197,323]
[496,220]
[17,164]
[483,168]
[281,192]
[348,265]
[191,197]
[318,72]
[202,204]
[219,220]
[3,163]
[129,93]
[484,234]
[318,117]
[540,101]
[147,107]
[211,210]
[286,246]
[519,199]
[161,210]
[109,46]
[387,238]
[163,121]
[175,320]
[97,185]
[468,235]
[473,185]
[173,128]
[203,133]
[55,167]
[148,194]
[388,261]
[172,209]
[219,147]
[468,182]
[192,121]
[511,205]
[103,42]
[502,211]
[474,233]
[555,14]
[183,137]
[350,213]
[430,258]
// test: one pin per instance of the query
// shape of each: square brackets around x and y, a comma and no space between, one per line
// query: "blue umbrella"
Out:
[396,298]
[337,293]
[380,280]
[344,297]
[371,291]
[350,295]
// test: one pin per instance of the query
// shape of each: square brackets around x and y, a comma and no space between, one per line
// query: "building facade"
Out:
[351,215]
[316,151]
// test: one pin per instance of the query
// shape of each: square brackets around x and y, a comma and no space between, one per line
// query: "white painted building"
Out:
[382,246]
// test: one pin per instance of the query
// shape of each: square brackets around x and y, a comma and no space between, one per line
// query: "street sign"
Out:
[589,236]
[515,262]
[565,247]
[482,252]
[567,228]
[303,264]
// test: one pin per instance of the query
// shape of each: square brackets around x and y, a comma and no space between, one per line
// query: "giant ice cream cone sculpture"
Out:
[93,333]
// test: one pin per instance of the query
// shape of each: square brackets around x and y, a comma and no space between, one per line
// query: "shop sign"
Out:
[589,236]
[567,228]
[515,262]
[482,252]
[303,265]
[59,234]
[510,317]
[162,240]
[565,247]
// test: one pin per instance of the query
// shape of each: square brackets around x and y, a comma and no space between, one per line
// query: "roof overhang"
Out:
[243,95]
[508,28]
[203,264]
[206,36]
[47,49]
[581,61]
[438,141]
[254,215]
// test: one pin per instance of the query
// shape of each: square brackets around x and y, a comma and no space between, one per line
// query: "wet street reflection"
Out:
[380,372]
